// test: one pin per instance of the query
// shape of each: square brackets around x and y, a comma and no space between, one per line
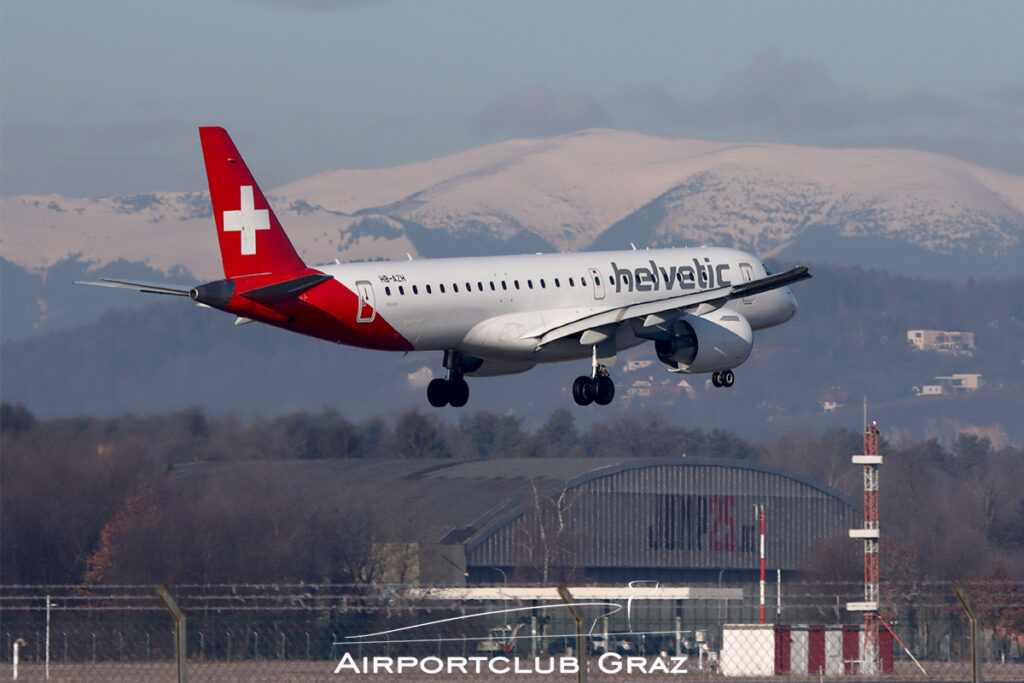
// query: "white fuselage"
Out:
[487,306]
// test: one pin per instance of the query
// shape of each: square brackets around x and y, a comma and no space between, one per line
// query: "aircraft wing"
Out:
[664,310]
[144,287]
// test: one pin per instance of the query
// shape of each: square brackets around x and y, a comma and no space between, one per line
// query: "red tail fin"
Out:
[251,238]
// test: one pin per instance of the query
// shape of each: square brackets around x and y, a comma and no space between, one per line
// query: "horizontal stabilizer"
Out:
[144,287]
[289,289]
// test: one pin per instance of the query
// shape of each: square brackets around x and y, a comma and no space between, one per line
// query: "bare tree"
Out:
[548,540]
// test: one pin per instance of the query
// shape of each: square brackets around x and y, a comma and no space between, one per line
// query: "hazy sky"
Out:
[103,98]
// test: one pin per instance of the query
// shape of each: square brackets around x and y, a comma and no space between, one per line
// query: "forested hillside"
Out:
[848,341]
[89,499]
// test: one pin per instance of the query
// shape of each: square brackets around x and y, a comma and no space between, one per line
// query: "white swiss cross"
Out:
[247,220]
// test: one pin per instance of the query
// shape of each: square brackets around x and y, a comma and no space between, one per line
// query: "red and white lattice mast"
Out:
[871,533]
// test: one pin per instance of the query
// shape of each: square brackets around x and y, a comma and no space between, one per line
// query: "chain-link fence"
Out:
[389,632]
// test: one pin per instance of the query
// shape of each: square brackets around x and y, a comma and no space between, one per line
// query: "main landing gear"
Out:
[453,390]
[723,379]
[599,389]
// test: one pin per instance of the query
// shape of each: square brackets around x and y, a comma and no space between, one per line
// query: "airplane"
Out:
[493,315]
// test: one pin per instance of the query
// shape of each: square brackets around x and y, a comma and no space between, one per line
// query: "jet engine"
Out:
[720,340]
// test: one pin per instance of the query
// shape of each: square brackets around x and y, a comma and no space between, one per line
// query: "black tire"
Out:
[603,389]
[437,393]
[716,379]
[458,392]
[581,391]
[728,379]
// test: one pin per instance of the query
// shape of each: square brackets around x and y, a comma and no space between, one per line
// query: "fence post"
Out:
[179,630]
[581,655]
[48,636]
[14,657]
[968,606]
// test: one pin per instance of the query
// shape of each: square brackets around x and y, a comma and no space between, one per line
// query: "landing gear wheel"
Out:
[437,392]
[716,379]
[727,379]
[603,389]
[458,392]
[581,392]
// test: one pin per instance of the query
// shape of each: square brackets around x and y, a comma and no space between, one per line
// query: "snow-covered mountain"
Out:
[596,188]
[901,210]
[606,189]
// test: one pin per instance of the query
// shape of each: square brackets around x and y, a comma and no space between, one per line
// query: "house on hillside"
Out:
[942,341]
[833,398]
[959,383]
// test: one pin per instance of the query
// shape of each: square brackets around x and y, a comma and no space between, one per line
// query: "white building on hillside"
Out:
[954,384]
[942,341]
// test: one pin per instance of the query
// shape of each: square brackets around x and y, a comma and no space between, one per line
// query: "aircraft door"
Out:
[748,275]
[367,310]
[595,276]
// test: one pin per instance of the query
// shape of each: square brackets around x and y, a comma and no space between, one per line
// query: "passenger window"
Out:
[529,283]
[428,289]
[583,282]
[611,280]
[415,290]
[387,290]
[504,285]
[542,285]
[480,286]
[401,290]
[492,286]
[571,283]
[442,288]
[455,287]
[469,288]
[516,283]
[557,284]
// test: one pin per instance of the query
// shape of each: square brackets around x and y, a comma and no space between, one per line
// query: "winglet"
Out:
[771,282]
[251,238]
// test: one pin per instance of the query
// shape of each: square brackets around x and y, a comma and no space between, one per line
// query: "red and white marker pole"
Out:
[760,509]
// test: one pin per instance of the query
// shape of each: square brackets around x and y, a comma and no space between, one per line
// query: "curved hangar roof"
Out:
[608,512]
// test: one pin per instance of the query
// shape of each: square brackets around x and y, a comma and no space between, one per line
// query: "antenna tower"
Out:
[871,534]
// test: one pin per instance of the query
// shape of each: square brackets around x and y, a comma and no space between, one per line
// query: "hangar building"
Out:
[541,520]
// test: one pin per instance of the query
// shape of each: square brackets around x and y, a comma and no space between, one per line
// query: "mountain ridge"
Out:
[911,212]
[569,192]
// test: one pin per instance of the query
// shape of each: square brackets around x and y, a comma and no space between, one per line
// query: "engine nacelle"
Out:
[720,340]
